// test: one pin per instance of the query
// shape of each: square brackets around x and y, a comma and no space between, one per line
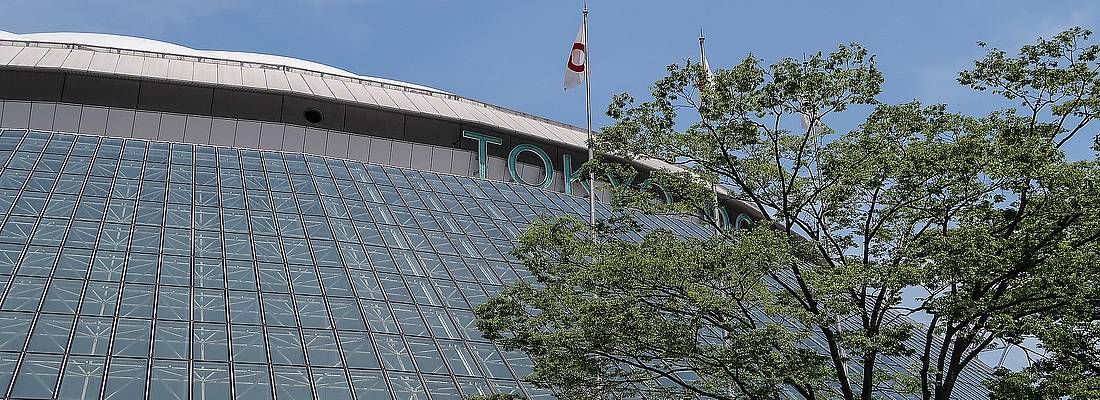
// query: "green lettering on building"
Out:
[483,142]
[548,166]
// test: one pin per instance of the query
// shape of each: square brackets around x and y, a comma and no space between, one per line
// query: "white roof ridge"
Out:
[152,46]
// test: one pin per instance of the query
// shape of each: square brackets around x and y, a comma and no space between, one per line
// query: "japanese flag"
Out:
[578,61]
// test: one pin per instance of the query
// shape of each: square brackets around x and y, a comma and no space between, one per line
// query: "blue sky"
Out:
[512,53]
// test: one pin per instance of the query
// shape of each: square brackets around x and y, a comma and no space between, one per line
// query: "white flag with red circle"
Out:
[578,61]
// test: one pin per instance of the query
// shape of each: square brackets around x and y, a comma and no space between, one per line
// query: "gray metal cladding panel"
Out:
[247,105]
[30,85]
[294,109]
[375,122]
[84,89]
[160,96]
[432,131]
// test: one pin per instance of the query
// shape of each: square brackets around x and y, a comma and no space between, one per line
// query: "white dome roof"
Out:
[157,46]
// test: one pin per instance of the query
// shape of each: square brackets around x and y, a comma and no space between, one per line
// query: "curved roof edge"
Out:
[136,43]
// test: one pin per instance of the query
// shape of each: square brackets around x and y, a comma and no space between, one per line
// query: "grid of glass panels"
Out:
[132,269]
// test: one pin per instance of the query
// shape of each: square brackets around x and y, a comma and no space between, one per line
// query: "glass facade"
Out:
[134,269]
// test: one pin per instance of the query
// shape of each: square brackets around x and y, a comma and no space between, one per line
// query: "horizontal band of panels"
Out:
[87,56]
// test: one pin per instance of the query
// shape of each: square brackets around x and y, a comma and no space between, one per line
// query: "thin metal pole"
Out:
[705,80]
[588,110]
[702,54]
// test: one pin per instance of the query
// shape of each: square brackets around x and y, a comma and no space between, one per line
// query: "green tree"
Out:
[978,224]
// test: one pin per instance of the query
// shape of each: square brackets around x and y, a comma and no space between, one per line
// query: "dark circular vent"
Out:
[313,115]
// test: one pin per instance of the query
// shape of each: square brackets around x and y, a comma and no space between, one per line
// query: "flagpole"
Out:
[706,77]
[702,54]
[588,111]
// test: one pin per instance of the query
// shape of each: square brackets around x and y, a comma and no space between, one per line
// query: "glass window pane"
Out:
[312,312]
[171,339]
[38,261]
[407,386]
[394,288]
[82,378]
[268,250]
[458,358]
[100,298]
[83,234]
[51,333]
[107,265]
[366,285]
[422,291]
[439,322]
[209,273]
[473,386]
[209,305]
[210,342]
[9,257]
[248,344]
[73,262]
[292,383]
[346,314]
[210,381]
[466,324]
[91,336]
[369,385]
[14,327]
[132,338]
[273,279]
[304,280]
[37,376]
[335,282]
[63,296]
[506,387]
[24,294]
[442,388]
[141,268]
[7,368]
[491,360]
[451,294]
[353,255]
[427,356]
[251,382]
[286,346]
[409,320]
[331,383]
[241,275]
[137,301]
[378,317]
[168,380]
[279,310]
[321,347]
[394,354]
[174,303]
[175,270]
[358,350]
[244,307]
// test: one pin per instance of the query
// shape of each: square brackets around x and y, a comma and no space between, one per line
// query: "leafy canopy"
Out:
[978,225]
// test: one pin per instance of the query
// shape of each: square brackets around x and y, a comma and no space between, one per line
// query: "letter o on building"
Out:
[653,187]
[547,165]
